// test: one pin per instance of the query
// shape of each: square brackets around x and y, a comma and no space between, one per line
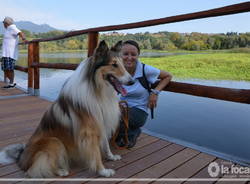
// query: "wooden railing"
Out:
[228,94]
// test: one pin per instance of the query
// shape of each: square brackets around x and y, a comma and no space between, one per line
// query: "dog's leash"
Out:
[124,115]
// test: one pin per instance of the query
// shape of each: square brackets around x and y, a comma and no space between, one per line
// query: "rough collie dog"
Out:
[77,126]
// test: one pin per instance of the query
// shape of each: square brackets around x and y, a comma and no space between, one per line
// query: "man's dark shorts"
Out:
[7,63]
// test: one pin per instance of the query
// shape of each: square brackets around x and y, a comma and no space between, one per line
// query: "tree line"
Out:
[164,41]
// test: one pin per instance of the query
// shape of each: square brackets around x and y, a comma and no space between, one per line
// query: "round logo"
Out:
[213,169]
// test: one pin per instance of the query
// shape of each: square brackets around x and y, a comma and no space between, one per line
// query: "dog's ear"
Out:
[99,58]
[102,50]
[117,48]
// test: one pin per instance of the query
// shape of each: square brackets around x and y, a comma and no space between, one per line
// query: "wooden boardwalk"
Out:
[150,158]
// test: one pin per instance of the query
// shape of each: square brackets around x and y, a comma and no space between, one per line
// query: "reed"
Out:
[212,66]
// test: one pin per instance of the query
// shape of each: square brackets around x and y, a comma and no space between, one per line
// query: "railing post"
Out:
[30,69]
[36,69]
[92,42]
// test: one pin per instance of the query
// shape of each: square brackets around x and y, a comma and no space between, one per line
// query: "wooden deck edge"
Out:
[220,155]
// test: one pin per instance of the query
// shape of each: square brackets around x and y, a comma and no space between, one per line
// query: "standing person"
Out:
[138,97]
[10,50]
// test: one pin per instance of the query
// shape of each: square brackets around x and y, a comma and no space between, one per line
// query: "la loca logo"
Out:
[214,169]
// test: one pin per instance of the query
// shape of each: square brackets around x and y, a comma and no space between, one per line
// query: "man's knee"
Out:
[137,119]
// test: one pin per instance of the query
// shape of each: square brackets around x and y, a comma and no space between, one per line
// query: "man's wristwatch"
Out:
[155,91]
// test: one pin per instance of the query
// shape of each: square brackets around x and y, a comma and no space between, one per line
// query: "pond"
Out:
[213,126]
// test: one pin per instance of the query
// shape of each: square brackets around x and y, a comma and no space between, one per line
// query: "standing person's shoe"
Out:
[10,86]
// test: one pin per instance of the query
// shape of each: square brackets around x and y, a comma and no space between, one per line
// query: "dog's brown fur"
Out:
[76,128]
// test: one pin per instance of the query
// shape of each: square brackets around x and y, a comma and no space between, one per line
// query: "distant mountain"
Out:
[30,26]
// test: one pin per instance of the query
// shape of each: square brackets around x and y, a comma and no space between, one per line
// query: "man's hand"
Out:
[152,103]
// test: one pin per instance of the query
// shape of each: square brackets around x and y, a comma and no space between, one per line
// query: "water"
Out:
[213,126]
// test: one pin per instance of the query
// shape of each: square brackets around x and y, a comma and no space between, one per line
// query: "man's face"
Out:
[5,25]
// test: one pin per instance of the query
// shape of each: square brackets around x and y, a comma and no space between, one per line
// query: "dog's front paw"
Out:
[114,157]
[106,172]
[62,172]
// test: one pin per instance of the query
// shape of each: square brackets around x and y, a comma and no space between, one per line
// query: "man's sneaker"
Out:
[132,139]
[10,86]
[120,142]
[132,142]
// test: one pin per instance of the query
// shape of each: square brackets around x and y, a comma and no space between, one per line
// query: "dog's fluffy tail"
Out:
[11,153]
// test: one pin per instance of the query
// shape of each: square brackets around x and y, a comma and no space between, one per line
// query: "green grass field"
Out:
[212,66]
[233,64]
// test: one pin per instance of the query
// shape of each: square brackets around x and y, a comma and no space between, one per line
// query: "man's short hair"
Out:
[8,20]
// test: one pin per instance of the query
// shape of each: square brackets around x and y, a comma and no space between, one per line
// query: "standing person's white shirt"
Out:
[10,42]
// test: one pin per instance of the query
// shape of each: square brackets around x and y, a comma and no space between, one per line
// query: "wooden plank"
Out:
[146,162]
[228,94]
[141,145]
[138,154]
[23,111]
[14,140]
[167,165]
[18,127]
[8,169]
[30,69]
[36,59]
[21,68]
[204,174]
[25,103]
[143,142]
[190,167]
[17,174]
[65,66]
[18,133]
[20,100]
[25,108]
[92,42]
[9,92]
[21,118]
[13,121]
[14,91]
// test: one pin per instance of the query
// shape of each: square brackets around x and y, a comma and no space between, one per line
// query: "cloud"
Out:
[19,13]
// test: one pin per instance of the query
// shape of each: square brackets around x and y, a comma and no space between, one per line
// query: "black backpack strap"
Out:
[144,82]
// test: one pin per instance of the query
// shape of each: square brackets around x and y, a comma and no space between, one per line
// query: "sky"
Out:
[81,14]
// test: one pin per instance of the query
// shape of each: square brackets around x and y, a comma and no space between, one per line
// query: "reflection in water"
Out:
[54,58]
